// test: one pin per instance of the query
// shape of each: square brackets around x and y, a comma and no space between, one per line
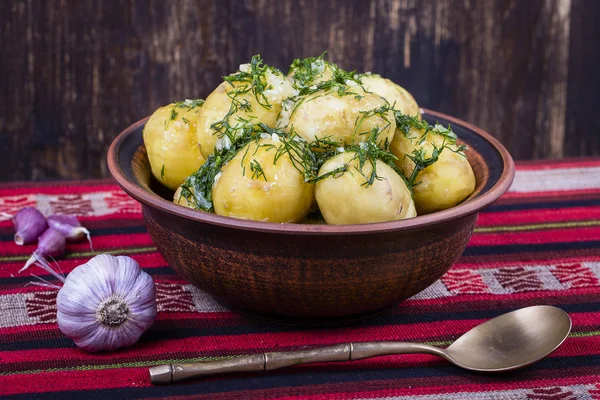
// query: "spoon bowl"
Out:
[512,340]
[505,343]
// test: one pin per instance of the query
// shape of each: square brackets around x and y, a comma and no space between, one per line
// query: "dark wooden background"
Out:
[73,73]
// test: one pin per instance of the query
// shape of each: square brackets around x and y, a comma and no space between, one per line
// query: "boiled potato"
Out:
[247,106]
[345,199]
[178,198]
[345,119]
[170,139]
[253,186]
[441,185]
[307,72]
[395,94]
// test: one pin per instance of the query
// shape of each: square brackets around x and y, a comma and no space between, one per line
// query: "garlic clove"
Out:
[52,243]
[29,225]
[70,227]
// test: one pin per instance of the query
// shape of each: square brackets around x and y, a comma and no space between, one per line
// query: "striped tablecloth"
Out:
[540,244]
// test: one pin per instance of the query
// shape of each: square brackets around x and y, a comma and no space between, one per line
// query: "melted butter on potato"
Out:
[441,185]
[170,140]
[345,199]
[344,119]
[276,193]
[249,107]
[395,94]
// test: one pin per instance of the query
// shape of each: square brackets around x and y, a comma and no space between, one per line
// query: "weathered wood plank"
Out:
[74,73]
[582,136]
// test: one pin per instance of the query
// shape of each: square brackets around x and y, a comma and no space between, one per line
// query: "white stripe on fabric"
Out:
[579,392]
[549,180]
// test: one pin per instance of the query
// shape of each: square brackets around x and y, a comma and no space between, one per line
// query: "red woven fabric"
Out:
[540,244]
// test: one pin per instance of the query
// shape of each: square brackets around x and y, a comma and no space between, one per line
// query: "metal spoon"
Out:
[507,342]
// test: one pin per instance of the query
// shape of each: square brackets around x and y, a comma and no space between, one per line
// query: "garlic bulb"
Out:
[106,303]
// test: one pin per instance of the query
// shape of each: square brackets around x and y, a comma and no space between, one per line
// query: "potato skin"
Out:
[443,184]
[171,144]
[219,103]
[395,94]
[283,197]
[343,199]
[329,115]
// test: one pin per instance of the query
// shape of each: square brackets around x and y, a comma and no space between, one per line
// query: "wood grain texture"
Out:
[73,73]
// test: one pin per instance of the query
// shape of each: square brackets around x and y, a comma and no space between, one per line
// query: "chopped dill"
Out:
[421,161]
[299,151]
[254,80]
[197,188]
[306,71]
[307,158]
[365,152]
[189,104]
[405,122]
[162,172]
[257,171]
[381,112]
[306,74]
[419,157]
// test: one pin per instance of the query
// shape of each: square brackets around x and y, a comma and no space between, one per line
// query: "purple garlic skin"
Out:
[70,227]
[29,225]
[52,243]
[106,303]
[67,225]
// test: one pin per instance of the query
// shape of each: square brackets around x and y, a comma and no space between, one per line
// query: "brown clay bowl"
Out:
[314,273]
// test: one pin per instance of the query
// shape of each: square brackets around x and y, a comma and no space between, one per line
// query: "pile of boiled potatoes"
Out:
[367,165]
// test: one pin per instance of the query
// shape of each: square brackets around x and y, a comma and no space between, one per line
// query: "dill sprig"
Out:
[257,170]
[381,112]
[174,114]
[197,188]
[300,153]
[341,82]
[253,80]
[365,152]
[307,70]
[187,105]
[409,126]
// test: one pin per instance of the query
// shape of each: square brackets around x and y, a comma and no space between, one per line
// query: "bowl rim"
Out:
[464,209]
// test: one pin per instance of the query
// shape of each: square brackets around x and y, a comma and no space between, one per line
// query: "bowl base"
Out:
[307,321]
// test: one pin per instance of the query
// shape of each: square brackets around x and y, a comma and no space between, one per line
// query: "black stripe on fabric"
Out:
[250,326]
[503,249]
[303,377]
[122,230]
[541,205]
[24,279]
